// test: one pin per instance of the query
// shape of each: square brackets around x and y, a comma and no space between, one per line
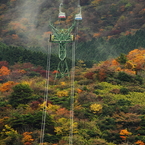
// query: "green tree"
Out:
[122,58]
[21,94]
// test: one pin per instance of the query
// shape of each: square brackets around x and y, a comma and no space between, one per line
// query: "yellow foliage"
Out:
[124,132]
[27,82]
[62,93]
[8,133]
[137,56]
[95,107]
[129,65]
[63,83]
[95,2]
[118,69]
[63,126]
[49,107]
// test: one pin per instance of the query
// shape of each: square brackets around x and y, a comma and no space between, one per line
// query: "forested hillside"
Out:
[111,26]
[109,81]
[109,104]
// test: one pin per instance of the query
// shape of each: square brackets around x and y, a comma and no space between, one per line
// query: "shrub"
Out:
[122,58]
[124,91]
[51,138]
[139,79]
[122,76]
[123,102]
[85,82]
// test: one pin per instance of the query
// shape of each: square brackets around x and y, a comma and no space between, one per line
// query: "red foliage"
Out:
[16,74]
[89,75]
[114,32]
[35,104]
[19,66]
[40,70]
[63,112]
[4,63]
[102,75]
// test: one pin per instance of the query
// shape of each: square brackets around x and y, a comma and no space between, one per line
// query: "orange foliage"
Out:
[63,112]
[114,63]
[2,6]
[4,71]
[118,69]
[7,86]
[79,90]
[17,25]
[123,137]
[27,138]
[15,36]
[127,33]
[124,133]
[22,71]
[46,34]
[109,37]
[137,57]
[4,31]
[55,71]
[96,34]
[101,30]
[122,8]
[77,37]
[129,71]
[69,19]
[139,142]
[1,17]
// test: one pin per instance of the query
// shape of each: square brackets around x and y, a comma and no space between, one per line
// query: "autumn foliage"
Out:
[27,138]
[4,71]
[108,104]
[7,86]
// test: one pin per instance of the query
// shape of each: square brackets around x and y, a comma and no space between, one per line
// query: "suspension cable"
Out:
[72,95]
[74,47]
[43,123]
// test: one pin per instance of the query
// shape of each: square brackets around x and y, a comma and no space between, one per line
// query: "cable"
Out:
[72,96]
[74,47]
[45,95]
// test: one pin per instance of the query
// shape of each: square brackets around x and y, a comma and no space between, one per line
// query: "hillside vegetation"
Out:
[109,86]
[109,26]
[109,103]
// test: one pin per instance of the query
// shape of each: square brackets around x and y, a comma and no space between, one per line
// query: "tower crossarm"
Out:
[60,35]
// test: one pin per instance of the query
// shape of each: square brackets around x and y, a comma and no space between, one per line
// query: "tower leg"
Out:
[62,69]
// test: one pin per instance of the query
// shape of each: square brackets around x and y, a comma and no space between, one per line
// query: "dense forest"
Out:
[109,81]
[108,108]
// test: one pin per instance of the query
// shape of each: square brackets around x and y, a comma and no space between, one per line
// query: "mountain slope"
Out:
[27,23]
